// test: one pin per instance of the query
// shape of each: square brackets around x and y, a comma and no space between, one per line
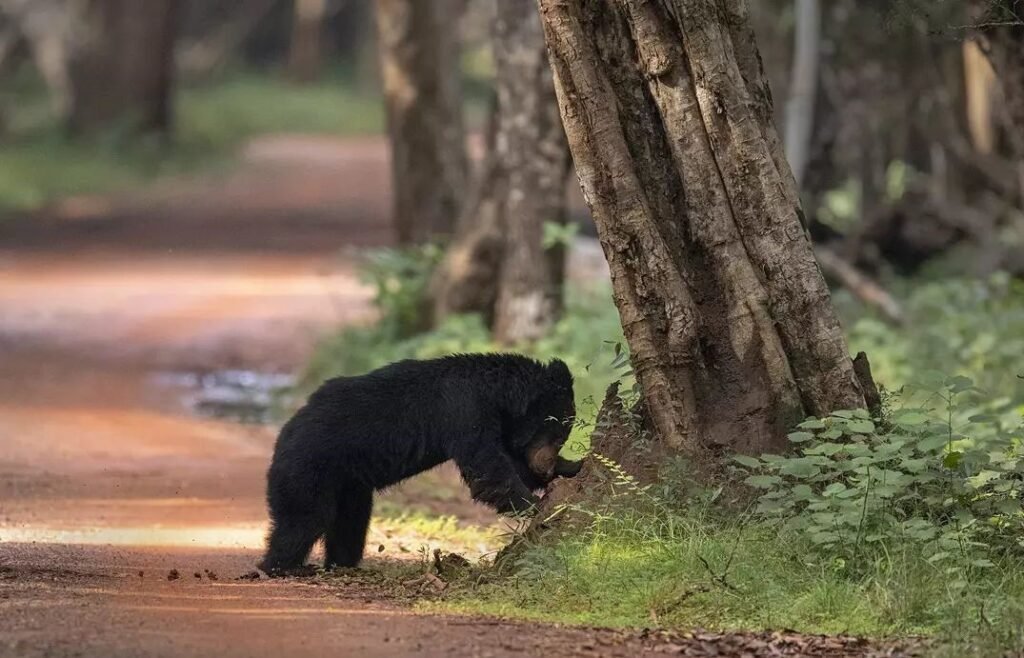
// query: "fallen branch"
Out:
[860,284]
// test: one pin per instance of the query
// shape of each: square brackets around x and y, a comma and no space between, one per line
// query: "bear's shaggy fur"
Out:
[501,417]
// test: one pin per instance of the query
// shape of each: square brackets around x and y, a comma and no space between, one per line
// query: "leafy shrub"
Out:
[399,278]
[973,328]
[854,483]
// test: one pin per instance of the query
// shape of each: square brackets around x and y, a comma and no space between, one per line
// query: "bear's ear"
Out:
[559,373]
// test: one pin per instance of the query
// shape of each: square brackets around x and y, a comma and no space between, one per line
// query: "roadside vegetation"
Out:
[40,163]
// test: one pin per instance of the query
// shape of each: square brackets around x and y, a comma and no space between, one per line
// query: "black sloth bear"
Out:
[501,417]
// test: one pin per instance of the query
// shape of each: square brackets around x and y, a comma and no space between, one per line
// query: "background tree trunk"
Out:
[419,54]
[45,26]
[498,265]
[803,90]
[1001,37]
[732,333]
[305,56]
[531,144]
[122,64]
[466,281]
[979,83]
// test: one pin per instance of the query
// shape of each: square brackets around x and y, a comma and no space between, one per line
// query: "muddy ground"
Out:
[126,518]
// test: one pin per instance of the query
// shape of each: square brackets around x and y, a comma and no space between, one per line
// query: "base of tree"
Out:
[623,441]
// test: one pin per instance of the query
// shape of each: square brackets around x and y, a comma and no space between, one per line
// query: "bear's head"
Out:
[555,408]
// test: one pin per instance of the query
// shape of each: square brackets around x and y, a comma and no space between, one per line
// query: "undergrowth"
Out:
[873,527]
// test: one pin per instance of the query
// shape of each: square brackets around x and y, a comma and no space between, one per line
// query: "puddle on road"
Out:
[243,396]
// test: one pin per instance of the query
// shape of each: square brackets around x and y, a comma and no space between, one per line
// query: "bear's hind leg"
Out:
[346,538]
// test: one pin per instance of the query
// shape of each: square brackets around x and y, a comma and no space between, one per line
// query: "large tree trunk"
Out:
[732,333]
[419,54]
[498,265]
[122,64]
[305,56]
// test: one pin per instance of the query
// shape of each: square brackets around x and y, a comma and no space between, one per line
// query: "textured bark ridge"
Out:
[122,63]
[498,265]
[419,55]
[669,119]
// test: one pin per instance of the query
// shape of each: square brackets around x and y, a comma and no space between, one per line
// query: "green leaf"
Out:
[799,468]
[861,426]
[910,418]
[932,443]
[749,462]
[803,492]
[959,383]
[834,488]
[914,465]
[1008,506]
[812,424]
[827,449]
[763,481]
[981,479]
[952,460]
[800,437]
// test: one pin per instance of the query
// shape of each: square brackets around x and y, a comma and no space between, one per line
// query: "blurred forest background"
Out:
[906,144]
[903,122]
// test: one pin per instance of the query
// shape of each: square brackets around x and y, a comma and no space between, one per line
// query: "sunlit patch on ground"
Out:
[404,537]
[245,536]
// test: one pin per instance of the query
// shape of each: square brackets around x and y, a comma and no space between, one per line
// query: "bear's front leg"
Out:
[492,477]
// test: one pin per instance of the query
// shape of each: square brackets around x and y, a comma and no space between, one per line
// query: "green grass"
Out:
[630,570]
[40,164]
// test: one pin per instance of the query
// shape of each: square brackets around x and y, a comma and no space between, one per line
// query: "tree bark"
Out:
[730,325]
[498,265]
[122,64]
[979,83]
[305,56]
[466,281]
[419,55]
[531,144]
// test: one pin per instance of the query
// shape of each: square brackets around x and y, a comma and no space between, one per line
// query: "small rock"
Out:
[173,574]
